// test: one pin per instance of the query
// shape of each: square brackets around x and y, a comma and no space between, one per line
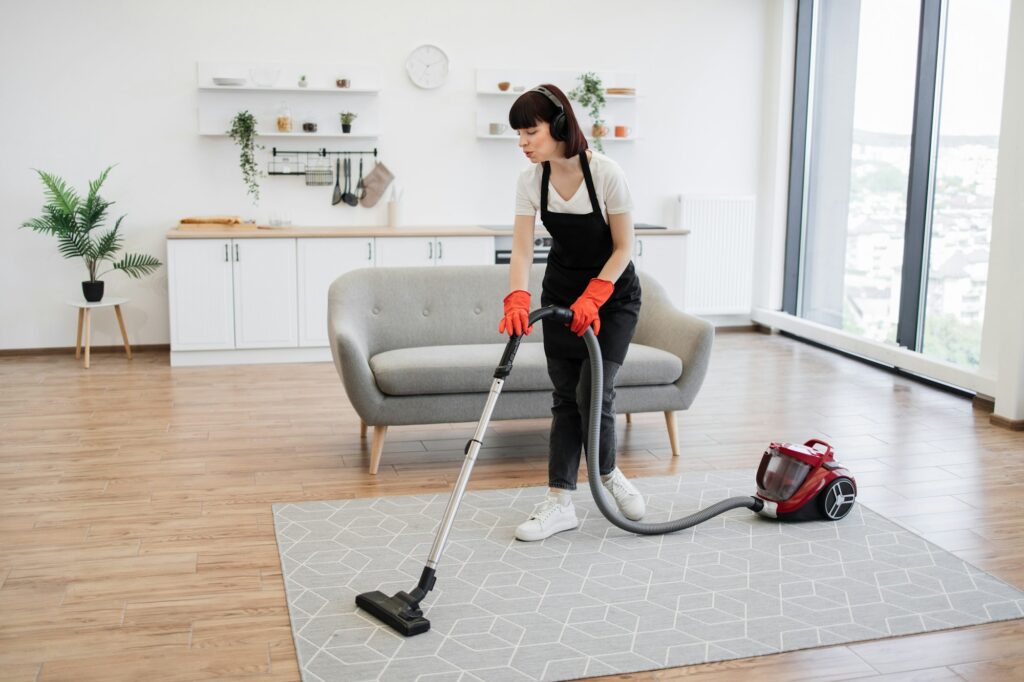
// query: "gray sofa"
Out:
[418,345]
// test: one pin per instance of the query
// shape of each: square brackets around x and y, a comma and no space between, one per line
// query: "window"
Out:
[895,134]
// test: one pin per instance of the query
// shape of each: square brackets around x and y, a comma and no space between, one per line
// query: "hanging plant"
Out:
[590,94]
[243,132]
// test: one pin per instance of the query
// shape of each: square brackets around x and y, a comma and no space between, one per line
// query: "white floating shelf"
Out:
[610,138]
[516,94]
[301,134]
[253,88]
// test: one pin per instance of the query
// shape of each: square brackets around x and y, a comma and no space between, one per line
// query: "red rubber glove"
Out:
[517,314]
[586,306]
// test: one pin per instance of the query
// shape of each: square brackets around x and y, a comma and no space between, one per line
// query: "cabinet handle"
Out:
[430,250]
[236,253]
[226,253]
[440,253]
[641,243]
[369,251]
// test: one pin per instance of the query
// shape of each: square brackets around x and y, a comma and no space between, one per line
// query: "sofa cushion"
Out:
[469,368]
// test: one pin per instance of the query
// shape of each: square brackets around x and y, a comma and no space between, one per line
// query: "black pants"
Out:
[570,420]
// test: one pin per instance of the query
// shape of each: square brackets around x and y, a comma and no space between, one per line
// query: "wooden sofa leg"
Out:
[379,432]
[629,418]
[673,435]
[362,430]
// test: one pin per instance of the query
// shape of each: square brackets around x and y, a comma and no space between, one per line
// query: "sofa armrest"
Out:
[667,328]
[352,361]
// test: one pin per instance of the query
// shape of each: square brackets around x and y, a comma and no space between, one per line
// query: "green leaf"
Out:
[75,245]
[137,264]
[109,244]
[58,194]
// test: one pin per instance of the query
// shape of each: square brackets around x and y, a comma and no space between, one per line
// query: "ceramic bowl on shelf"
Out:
[228,80]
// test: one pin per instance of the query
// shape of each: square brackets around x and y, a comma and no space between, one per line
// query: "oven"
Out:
[503,249]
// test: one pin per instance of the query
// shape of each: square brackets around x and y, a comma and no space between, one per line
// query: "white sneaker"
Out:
[630,501]
[548,518]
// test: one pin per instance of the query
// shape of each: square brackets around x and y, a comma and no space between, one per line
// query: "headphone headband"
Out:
[547,93]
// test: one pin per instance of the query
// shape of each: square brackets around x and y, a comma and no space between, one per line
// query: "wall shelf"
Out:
[266,87]
[253,88]
[336,136]
[493,104]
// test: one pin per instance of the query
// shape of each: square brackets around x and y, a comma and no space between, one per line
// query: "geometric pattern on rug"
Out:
[598,600]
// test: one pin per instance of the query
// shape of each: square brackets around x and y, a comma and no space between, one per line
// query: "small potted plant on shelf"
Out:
[590,94]
[302,81]
[243,132]
[72,220]
[346,121]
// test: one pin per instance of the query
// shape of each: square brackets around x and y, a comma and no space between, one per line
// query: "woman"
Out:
[584,203]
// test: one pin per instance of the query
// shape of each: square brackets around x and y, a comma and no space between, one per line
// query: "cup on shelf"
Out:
[343,83]
[503,85]
[623,131]
[497,128]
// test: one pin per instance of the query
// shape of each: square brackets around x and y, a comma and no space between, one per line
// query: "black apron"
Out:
[580,247]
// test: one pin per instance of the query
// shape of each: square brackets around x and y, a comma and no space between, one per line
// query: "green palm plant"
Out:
[77,224]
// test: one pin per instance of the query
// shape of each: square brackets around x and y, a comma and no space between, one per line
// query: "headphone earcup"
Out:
[558,127]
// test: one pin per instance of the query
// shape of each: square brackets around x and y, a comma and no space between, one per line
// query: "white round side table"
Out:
[84,310]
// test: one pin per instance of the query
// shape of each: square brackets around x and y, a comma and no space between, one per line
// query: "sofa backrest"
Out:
[403,307]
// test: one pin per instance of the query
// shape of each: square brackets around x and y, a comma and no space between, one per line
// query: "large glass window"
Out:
[861,123]
[896,118]
[965,177]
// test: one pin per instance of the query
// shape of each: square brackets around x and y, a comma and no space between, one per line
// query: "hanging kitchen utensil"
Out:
[360,189]
[336,199]
[350,197]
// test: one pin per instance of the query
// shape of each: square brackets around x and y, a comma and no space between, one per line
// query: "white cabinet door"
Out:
[404,251]
[464,251]
[199,286]
[663,257]
[266,314]
[320,262]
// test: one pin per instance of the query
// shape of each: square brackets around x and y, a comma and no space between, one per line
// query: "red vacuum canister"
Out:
[804,482]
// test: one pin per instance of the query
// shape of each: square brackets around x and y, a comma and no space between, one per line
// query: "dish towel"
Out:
[375,182]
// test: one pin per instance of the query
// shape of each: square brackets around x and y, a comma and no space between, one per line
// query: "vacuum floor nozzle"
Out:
[394,611]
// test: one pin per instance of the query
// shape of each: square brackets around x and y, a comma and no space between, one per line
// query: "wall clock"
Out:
[427,66]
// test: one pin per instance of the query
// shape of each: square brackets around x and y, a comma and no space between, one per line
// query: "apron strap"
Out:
[596,207]
[545,177]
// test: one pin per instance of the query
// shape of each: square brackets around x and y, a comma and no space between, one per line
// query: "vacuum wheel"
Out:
[836,499]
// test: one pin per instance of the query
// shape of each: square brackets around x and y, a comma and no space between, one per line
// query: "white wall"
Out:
[90,83]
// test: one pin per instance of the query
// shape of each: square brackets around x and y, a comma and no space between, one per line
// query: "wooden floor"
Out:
[136,539]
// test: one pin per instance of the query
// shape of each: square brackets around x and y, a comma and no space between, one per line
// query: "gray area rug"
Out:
[600,601]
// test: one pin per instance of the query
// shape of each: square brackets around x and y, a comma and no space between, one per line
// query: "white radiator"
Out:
[720,253]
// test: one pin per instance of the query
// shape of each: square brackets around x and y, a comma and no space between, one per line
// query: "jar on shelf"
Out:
[284,119]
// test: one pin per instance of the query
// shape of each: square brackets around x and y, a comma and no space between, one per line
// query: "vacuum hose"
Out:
[597,489]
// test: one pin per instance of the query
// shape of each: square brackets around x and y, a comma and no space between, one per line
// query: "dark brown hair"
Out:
[532,107]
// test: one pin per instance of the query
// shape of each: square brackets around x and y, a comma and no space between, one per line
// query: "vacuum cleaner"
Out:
[794,483]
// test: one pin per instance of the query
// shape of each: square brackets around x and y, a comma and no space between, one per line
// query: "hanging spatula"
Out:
[336,199]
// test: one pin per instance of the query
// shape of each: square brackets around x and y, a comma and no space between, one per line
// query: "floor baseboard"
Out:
[64,350]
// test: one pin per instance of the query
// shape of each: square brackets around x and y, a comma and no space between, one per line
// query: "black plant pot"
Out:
[93,291]
[346,127]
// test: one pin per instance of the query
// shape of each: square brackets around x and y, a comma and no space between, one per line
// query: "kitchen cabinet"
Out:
[200,294]
[411,251]
[663,257]
[265,299]
[320,262]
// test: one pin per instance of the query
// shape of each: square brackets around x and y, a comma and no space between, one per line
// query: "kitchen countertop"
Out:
[249,231]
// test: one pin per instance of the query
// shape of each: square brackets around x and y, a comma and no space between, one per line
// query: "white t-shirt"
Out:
[609,182]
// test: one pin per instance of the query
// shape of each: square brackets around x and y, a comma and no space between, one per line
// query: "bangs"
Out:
[529,109]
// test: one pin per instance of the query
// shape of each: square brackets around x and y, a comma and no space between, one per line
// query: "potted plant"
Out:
[346,121]
[590,94]
[243,132]
[72,220]
[302,81]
